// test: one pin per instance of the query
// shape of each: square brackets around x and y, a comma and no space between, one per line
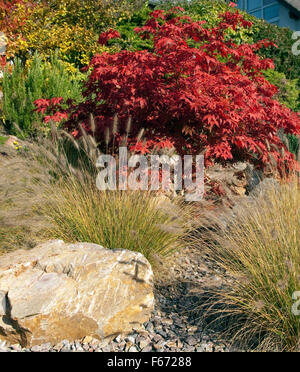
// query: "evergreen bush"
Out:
[22,86]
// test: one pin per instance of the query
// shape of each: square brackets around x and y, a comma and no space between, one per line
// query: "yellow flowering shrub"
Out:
[75,45]
[70,26]
[93,14]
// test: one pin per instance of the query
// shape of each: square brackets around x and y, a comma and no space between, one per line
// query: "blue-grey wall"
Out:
[282,15]
[286,21]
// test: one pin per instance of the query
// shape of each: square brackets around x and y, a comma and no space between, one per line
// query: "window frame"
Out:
[244,6]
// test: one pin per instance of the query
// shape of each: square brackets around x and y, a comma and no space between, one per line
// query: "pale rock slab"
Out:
[62,291]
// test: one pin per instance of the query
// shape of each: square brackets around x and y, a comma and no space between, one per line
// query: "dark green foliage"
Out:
[282,56]
[130,40]
[288,90]
[293,144]
[23,86]
[288,94]
[207,10]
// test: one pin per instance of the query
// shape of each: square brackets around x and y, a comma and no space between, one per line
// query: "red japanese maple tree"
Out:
[197,90]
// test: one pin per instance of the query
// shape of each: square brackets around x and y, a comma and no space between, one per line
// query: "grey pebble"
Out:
[147,349]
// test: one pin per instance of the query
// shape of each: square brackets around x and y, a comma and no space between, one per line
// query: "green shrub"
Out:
[282,56]
[260,249]
[129,39]
[288,94]
[23,86]
[294,145]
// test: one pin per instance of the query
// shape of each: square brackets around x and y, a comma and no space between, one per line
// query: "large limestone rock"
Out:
[67,291]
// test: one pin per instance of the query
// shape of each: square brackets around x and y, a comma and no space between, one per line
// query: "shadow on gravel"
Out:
[203,309]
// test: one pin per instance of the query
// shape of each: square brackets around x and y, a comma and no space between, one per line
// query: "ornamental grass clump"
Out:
[141,221]
[61,173]
[260,249]
[133,220]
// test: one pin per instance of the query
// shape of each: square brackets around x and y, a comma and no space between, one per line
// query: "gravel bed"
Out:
[172,327]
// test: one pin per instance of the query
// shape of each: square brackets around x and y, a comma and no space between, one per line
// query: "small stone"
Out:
[162,333]
[147,349]
[192,341]
[239,166]
[201,348]
[210,347]
[36,349]
[122,346]
[16,347]
[167,321]
[158,346]
[143,344]
[179,323]
[157,338]
[189,349]
[131,339]
[140,338]
[133,349]
[106,349]
[171,334]
[157,322]
[206,347]
[101,344]
[118,339]
[220,349]
[205,338]
[128,346]
[78,347]
[150,327]
[179,344]
[58,346]
[87,340]
[192,330]
[142,334]
[171,344]
[114,347]
[46,347]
